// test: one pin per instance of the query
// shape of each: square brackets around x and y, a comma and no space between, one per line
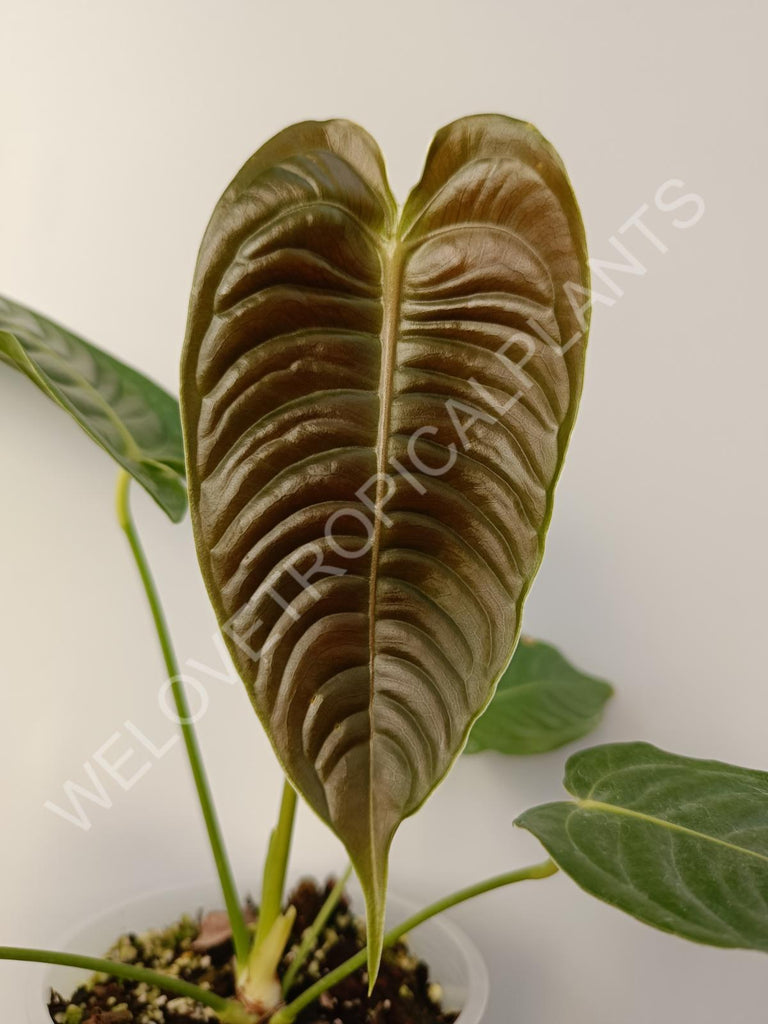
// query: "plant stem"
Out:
[289,1013]
[130,972]
[276,864]
[240,935]
[311,935]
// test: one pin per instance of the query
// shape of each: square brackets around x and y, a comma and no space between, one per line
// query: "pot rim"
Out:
[206,891]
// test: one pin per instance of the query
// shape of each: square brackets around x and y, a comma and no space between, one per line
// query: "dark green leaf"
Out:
[679,843]
[388,397]
[541,702]
[129,416]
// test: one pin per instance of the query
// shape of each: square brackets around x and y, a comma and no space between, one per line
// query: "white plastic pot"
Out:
[453,960]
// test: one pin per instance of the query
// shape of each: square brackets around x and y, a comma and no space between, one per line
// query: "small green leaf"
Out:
[679,843]
[541,702]
[130,417]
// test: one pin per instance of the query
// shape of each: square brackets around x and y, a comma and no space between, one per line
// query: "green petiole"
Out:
[129,972]
[311,935]
[289,1012]
[240,934]
[276,864]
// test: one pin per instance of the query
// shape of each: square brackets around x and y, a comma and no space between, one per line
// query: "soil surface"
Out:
[200,950]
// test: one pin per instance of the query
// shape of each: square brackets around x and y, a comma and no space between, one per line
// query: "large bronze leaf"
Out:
[376,411]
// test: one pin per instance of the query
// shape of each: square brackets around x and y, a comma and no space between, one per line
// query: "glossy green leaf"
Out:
[376,410]
[129,416]
[541,702]
[679,843]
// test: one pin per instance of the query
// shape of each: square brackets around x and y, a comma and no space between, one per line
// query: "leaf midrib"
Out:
[391,297]
[597,805]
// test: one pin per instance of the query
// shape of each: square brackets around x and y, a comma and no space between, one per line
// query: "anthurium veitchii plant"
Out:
[375,407]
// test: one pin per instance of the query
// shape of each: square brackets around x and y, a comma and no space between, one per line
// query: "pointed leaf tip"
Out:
[375,892]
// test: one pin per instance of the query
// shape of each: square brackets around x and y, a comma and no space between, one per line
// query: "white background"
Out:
[121,124]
